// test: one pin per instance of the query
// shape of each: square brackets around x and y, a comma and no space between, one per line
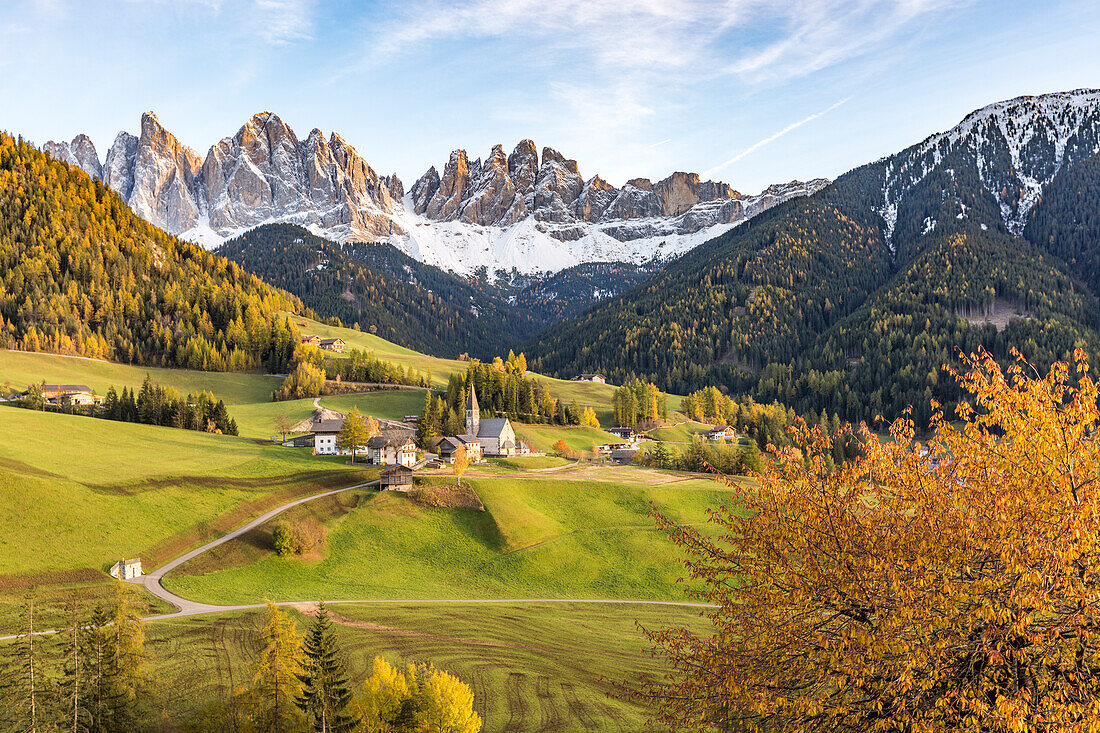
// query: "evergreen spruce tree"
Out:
[130,682]
[325,692]
[106,701]
[424,428]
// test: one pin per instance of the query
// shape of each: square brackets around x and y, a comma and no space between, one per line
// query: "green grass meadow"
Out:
[682,433]
[541,536]
[531,667]
[79,493]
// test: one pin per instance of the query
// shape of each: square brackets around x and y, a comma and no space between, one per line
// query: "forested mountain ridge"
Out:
[818,300]
[421,306]
[82,274]
[385,291]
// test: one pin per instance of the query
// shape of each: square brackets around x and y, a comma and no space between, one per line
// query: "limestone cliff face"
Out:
[447,200]
[164,190]
[423,190]
[80,153]
[527,210]
[262,173]
[493,198]
[550,189]
[118,169]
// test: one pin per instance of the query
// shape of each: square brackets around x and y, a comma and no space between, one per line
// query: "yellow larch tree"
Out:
[950,585]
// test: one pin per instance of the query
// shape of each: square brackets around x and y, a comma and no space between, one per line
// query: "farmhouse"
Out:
[69,394]
[311,339]
[626,433]
[597,378]
[608,448]
[325,433]
[126,569]
[722,432]
[395,478]
[336,344]
[624,456]
[392,447]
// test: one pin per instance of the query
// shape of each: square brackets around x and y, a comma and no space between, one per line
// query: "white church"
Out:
[495,434]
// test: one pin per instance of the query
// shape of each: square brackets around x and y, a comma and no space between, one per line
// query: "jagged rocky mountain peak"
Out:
[528,210]
[80,151]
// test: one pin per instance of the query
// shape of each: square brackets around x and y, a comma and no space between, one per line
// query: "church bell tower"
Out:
[473,414]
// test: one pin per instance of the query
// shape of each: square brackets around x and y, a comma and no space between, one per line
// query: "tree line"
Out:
[154,404]
[503,389]
[313,373]
[639,402]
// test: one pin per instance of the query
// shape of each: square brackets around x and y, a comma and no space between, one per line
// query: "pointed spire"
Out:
[471,403]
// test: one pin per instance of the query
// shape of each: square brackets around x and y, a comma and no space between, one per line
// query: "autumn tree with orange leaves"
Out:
[946,586]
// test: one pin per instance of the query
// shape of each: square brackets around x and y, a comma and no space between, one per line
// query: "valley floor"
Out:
[79,493]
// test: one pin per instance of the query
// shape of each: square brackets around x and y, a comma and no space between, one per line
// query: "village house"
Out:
[126,569]
[722,432]
[392,447]
[336,344]
[325,435]
[311,339]
[69,394]
[597,378]
[396,478]
[448,446]
[624,456]
[623,432]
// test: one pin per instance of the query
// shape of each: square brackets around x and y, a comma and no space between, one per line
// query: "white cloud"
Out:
[773,137]
[739,37]
[615,61]
[814,34]
[283,21]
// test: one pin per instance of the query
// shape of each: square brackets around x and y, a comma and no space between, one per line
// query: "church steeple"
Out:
[473,414]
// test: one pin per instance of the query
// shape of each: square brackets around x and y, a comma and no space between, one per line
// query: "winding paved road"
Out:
[187,607]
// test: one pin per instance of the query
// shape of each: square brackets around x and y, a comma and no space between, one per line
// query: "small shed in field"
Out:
[396,478]
[126,569]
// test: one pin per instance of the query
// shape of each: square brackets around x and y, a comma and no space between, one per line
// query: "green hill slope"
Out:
[80,273]
[79,493]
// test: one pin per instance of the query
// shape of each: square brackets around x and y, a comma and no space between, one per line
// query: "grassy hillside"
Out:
[598,396]
[531,667]
[80,493]
[681,433]
[570,534]
[247,395]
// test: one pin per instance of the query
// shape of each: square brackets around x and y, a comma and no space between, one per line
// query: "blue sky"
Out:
[751,92]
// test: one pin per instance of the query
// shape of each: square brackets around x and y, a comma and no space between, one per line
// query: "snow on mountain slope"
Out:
[530,245]
[1016,146]
[509,213]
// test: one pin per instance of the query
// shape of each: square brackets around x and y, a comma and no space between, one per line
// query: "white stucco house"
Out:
[126,569]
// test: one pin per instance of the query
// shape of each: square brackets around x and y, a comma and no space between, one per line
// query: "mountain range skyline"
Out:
[775,93]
